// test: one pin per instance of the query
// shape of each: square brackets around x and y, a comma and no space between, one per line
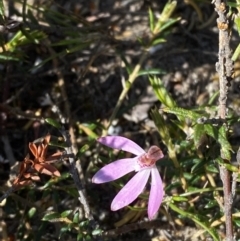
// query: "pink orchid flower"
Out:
[143,164]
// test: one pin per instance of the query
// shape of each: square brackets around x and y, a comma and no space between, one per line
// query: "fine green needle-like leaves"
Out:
[66,213]
[161,92]
[51,216]
[2,11]
[151,19]
[198,220]
[198,135]
[181,112]
[225,145]
[53,123]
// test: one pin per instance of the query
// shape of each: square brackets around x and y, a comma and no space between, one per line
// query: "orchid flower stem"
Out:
[173,157]
[167,140]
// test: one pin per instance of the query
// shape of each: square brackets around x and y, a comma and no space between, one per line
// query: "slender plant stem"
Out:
[134,74]
[125,90]
[75,175]
[6,194]
[173,157]
[224,68]
[75,165]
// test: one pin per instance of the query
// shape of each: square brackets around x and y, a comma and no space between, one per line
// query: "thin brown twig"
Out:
[8,150]
[6,194]
[224,67]
[69,137]
[75,175]
[19,113]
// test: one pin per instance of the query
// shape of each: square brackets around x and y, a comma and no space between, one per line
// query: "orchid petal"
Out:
[156,193]
[114,170]
[121,143]
[155,153]
[131,190]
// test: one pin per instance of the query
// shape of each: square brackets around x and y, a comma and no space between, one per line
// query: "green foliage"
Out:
[25,37]
[165,20]
[207,146]
[53,123]
[194,141]
[2,11]
[53,217]
[202,221]
[161,92]
[180,112]
[151,20]
[32,212]
[236,7]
